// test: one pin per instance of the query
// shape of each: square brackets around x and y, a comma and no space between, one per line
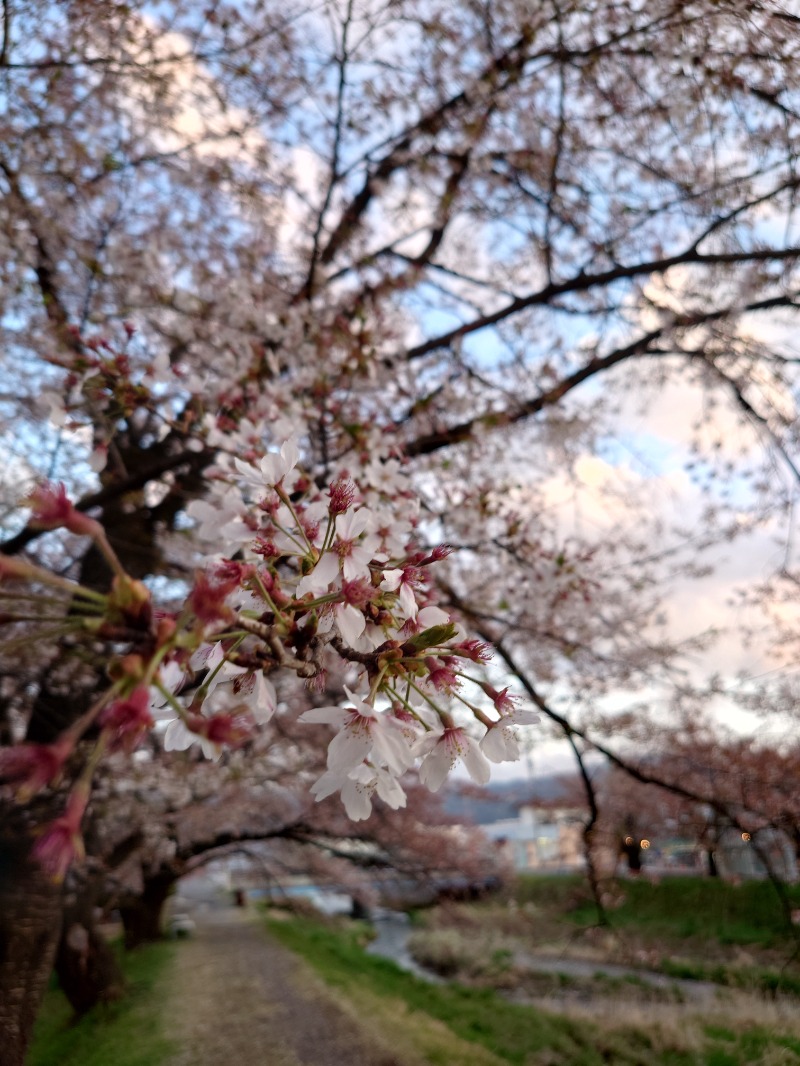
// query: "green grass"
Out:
[509,1032]
[476,1015]
[750,978]
[676,908]
[130,1032]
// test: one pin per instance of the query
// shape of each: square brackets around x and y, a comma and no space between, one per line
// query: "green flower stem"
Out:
[320,601]
[203,690]
[330,533]
[411,710]
[476,711]
[177,707]
[432,703]
[266,596]
[79,727]
[111,557]
[154,664]
[375,686]
[38,597]
[285,499]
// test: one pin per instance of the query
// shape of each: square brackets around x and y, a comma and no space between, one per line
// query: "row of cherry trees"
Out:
[312,312]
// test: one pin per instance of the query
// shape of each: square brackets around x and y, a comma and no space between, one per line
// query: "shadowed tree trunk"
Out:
[30,920]
[713,870]
[85,964]
[87,968]
[143,916]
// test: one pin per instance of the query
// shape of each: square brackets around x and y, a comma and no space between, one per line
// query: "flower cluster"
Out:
[321,575]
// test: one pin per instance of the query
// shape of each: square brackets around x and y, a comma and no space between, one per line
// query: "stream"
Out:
[393,931]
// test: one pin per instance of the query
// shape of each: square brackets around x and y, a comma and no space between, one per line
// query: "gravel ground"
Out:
[238,998]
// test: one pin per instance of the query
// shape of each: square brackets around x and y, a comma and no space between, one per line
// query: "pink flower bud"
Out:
[126,721]
[207,598]
[61,842]
[51,509]
[32,766]
[228,729]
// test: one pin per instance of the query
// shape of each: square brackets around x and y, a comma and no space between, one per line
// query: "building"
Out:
[541,838]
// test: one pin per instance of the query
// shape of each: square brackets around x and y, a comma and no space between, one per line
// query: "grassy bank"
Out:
[130,1032]
[511,1033]
[675,908]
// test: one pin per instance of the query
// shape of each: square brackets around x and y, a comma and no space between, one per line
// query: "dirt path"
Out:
[238,998]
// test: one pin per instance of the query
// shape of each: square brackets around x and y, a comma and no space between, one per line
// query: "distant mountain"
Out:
[502,799]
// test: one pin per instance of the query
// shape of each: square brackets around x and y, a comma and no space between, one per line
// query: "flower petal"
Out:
[351,622]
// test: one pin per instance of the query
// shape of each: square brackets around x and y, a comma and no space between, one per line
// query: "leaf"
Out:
[430,638]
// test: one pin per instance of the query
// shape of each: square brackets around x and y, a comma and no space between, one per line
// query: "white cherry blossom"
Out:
[350,621]
[222,511]
[393,582]
[234,686]
[501,742]
[273,468]
[355,553]
[319,580]
[230,688]
[429,617]
[441,751]
[178,738]
[358,787]
[363,730]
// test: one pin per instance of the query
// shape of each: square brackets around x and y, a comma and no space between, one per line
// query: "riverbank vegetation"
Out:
[740,936]
[725,1033]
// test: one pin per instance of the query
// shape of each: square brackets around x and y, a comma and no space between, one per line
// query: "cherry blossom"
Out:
[320,579]
[355,553]
[273,468]
[127,721]
[441,751]
[363,731]
[402,581]
[32,766]
[358,787]
[234,699]
[501,742]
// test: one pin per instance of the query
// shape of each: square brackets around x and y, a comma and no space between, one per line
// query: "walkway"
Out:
[238,998]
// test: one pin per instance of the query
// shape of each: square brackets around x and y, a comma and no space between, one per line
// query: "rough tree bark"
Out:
[30,921]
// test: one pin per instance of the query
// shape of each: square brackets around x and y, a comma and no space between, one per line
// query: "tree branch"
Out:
[583,282]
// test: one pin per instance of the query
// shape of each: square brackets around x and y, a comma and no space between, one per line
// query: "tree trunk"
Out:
[631,849]
[30,920]
[142,917]
[713,871]
[86,966]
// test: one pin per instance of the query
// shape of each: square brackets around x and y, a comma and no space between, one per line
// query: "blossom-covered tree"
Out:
[292,299]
